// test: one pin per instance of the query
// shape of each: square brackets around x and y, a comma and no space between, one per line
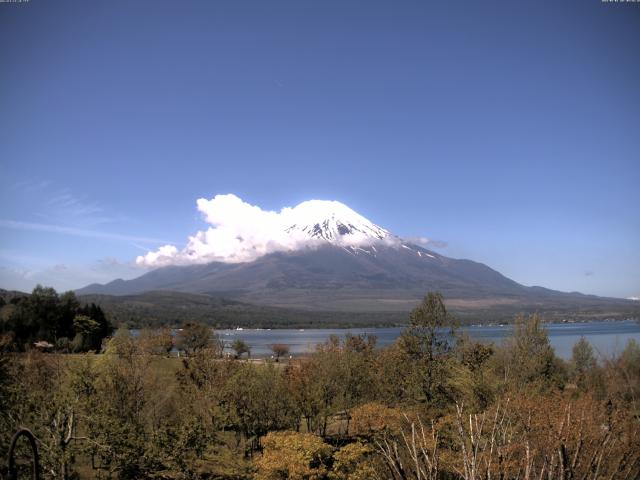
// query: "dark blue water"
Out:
[606,337]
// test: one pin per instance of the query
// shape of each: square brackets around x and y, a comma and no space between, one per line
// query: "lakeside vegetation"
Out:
[157,309]
[422,408]
[165,308]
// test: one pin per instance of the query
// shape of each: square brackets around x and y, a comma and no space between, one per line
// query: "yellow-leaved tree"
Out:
[294,456]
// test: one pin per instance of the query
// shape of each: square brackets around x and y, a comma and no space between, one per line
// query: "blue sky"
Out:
[508,130]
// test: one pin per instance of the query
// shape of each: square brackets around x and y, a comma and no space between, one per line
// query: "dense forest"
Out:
[166,308]
[422,408]
[53,321]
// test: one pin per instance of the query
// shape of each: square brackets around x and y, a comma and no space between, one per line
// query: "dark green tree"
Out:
[45,315]
[530,357]
[105,328]
[87,329]
[426,341]
[582,358]
[240,347]
[68,307]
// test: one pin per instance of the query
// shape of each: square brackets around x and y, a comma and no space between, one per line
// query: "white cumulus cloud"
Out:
[241,232]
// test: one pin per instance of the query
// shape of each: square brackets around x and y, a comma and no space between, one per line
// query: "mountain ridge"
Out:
[341,279]
[326,256]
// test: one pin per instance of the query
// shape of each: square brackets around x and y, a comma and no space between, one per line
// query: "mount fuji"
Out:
[324,256]
[335,223]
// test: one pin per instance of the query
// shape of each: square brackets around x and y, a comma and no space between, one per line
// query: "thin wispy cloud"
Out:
[77,232]
[70,205]
[32,185]
[139,247]
[428,242]
[58,204]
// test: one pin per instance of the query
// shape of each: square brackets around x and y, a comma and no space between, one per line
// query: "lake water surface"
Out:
[606,337]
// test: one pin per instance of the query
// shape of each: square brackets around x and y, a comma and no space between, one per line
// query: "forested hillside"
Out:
[173,308]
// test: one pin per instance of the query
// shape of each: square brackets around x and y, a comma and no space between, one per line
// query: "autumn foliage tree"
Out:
[431,406]
[295,456]
[279,350]
[195,337]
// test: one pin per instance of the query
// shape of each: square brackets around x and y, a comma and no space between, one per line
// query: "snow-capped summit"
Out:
[240,232]
[321,255]
[334,222]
